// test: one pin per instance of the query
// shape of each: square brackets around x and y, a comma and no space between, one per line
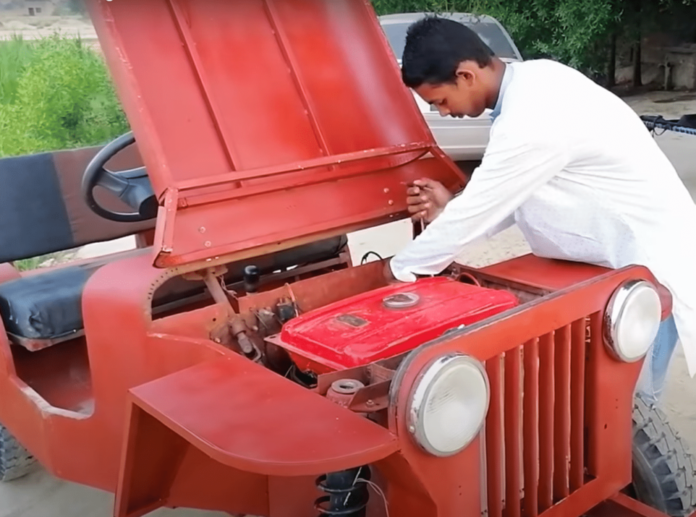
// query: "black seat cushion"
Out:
[48,305]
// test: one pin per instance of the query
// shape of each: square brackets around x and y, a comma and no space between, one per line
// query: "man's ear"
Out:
[466,72]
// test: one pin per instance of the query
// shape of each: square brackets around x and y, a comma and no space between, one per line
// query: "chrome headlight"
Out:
[632,320]
[449,404]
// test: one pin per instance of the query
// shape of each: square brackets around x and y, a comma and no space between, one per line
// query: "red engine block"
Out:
[386,322]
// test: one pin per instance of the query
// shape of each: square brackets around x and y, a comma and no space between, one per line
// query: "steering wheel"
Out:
[131,186]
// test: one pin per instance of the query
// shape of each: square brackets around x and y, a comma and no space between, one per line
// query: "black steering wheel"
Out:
[131,186]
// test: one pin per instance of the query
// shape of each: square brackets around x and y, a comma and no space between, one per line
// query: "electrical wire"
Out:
[366,255]
[379,491]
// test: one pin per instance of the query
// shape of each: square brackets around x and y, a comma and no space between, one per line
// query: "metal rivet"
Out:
[201,229]
[208,244]
[391,202]
[386,191]
[412,429]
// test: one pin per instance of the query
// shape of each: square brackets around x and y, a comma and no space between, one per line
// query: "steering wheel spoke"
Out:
[131,186]
[117,184]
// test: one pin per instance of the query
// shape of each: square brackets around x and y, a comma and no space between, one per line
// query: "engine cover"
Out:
[386,322]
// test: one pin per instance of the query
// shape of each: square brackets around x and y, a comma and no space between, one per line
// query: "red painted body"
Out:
[220,137]
[361,330]
[265,124]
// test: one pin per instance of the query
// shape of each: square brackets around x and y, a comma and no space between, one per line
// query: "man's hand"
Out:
[427,199]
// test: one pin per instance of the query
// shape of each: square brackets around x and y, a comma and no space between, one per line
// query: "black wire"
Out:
[364,259]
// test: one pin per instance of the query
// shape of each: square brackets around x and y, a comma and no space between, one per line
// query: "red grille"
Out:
[535,444]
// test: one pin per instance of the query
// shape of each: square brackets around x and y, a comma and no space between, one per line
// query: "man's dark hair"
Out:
[434,49]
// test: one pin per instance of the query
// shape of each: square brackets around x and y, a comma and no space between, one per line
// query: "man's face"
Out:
[463,97]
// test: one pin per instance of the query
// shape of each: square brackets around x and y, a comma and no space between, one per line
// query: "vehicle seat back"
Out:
[41,205]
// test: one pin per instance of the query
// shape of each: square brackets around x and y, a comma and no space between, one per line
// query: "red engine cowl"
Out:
[386,322]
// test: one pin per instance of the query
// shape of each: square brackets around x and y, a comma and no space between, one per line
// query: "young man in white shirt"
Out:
[568,162]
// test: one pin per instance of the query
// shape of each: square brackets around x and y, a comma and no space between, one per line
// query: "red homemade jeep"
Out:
[237,361]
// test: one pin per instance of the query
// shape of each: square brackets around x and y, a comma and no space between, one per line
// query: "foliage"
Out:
[14,55]
[31,263]
[566,30]
[55,94]
[574,32]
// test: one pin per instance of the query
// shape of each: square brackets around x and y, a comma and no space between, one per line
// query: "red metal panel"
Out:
[577,405]
[562,415]
[234,386]
[546,388]
[609,408]
[531,428]
[513,445]
[623,506]
[547,275]
[292,110]
[494,439]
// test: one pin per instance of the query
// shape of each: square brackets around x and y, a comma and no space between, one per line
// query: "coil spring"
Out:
[347,494]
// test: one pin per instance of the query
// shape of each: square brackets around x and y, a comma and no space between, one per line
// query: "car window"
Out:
[490,33]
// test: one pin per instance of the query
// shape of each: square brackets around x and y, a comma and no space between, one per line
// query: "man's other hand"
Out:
[427,199]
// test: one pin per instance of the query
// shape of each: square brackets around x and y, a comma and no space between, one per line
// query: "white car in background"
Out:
[462,139]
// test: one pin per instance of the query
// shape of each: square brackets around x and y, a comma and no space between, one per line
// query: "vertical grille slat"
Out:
[494,440]
[546,401]
[577,405]
[536,450]
[531,428]
[592,454]
[513,445]
[561,471]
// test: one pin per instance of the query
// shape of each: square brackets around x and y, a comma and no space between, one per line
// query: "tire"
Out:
[15,460]
[663,469]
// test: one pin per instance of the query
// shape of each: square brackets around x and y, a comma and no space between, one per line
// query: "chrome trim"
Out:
[421,391]
[614,312]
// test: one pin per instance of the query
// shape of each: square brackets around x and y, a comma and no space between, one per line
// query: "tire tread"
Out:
[668,456]
[15,460]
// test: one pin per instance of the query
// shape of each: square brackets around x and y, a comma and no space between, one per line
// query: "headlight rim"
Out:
[613,313]
[422,387]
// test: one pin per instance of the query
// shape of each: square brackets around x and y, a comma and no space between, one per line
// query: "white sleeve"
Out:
[513,167]
[504,225]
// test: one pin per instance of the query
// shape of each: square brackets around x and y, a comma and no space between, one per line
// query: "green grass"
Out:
[31,263]
[55,94]
[14,56]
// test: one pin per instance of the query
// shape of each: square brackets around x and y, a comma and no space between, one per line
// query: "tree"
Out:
[566,30]
[583,34]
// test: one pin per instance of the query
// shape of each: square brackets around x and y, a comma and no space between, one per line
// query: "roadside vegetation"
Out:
[55,93]
[594,36]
